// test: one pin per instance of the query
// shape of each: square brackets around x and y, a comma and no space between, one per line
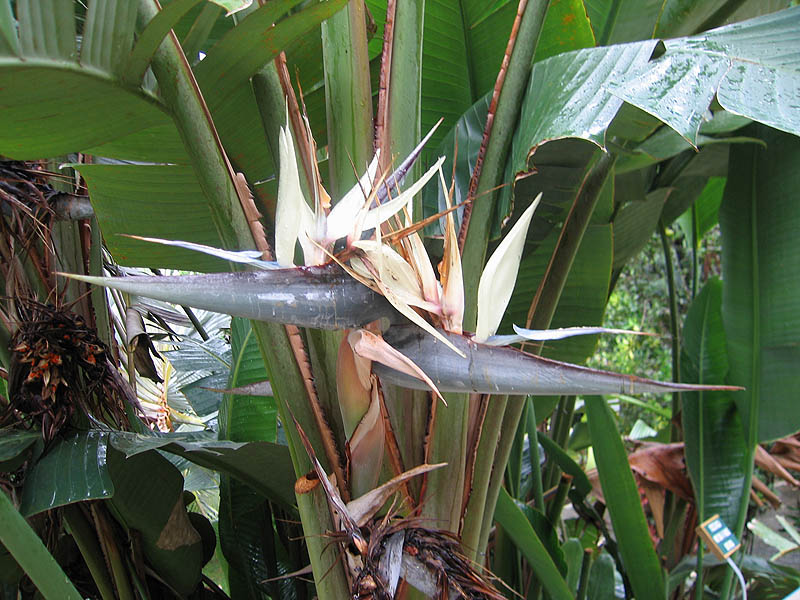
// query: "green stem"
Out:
[583,583]
[481,475]
[695,242]
[108,542]
[193,121]
[493,169]
[444,496]
[536,467]
[557,503]
[560,432]
[86,539]
[32,555]
[405,86]
[99,299]
[514,408]
[348,97]
[674,327]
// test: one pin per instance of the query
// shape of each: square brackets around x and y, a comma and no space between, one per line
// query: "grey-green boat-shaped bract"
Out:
[505,370]
[318,297]
[327,298]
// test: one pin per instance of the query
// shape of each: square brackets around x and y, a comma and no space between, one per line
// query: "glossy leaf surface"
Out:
[622,498]
[759,217]
[737,63]
[74,470]
[716,454]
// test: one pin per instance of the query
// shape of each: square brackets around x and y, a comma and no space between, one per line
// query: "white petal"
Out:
[343,214]
[395,273]
[381,213]
[289,210]
[500,275]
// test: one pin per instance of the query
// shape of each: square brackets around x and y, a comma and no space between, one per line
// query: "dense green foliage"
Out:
[632,120]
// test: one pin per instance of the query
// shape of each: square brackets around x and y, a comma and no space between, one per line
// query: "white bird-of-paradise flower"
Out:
[317,230]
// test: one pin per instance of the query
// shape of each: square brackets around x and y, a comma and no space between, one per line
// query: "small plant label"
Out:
[719,537]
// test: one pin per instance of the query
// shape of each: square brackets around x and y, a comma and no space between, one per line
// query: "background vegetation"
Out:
[125,478]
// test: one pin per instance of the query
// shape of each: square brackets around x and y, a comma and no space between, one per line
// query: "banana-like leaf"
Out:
[761,267]
[317,297]
[148,498]
[74,470]
[14,442]
[716,452]
[29,551]
[491,370]
[740,64]
[524,536]
[630,527]
[264,467]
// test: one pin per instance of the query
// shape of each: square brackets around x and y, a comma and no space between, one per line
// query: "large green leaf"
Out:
[254,417]
[738,63]
[52,107]
[464,46]
[567,98]
[243,518]
[263,466]
[148,499]
[168,204]
[108,34]
[254,42]
[622,498]
[14,442]
[73,470]
[47,29]
[617,21]
[716,454]
[461,58]
[634,225]
[759,217]
[32,555]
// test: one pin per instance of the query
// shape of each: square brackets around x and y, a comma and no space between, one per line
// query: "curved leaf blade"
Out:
[74,470]
[520,530]
[716,453]
[28,550]
[759,217]
[739,63]
[633,536]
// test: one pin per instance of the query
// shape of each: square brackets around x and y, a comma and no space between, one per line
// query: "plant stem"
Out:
[674,327]
[493,169]
[444,495]
[513,413]
[192,119]
[348,97]
[484,466]
[405,87]
[583,583]
[695,242]
[536,467]
[557,503]
[111,551]
[86,539]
